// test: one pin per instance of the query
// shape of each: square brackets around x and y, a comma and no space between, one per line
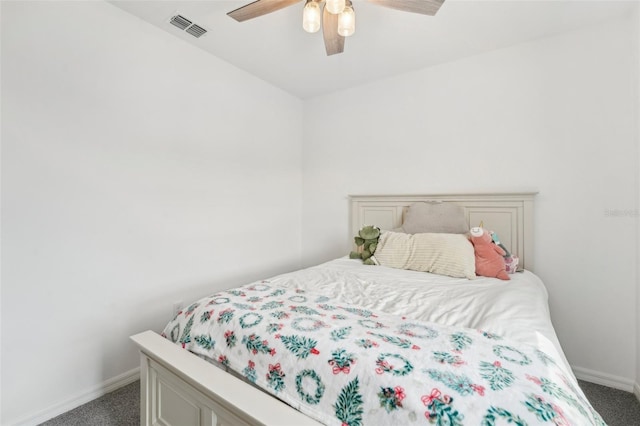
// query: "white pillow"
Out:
[444,254]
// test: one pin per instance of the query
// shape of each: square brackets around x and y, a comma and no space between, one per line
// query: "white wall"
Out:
[137,171]
[637,59]
[555,115]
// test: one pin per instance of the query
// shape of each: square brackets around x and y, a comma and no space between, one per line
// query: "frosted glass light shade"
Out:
[347,22]
[335,6]
[311,16]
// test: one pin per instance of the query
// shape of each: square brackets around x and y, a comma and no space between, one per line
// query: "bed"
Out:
[405,357]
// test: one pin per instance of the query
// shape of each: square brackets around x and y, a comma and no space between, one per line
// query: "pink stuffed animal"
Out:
[489,257]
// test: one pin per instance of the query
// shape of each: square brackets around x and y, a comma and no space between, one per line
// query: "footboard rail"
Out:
[178,388]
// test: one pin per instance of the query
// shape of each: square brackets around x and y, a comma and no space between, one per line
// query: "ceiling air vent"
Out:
[180,22]
[186,25]
[196,30]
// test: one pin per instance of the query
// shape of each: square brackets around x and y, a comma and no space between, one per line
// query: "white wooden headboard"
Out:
[510,215]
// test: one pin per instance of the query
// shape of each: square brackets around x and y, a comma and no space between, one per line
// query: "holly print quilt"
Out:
[345,365]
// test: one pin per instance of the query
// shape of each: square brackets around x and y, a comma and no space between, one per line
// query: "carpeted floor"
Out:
[121,408]
[118,408]
[617,408]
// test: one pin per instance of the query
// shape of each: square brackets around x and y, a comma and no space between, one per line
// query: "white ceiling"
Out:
[387,42]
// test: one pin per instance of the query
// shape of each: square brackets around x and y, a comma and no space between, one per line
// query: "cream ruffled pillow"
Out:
[444,254]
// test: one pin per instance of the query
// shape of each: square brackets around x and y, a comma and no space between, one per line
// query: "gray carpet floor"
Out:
[121,408]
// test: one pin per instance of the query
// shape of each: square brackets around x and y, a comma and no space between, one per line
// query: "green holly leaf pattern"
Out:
[225,316]
[186,333]
[441,412]
[340,333]
[493,413]
[394,340]
[498,377]
[543,410]
[300,346]
[304,310]
[448,358]
[359,311]
[459,383]
[255,345]
[348,406]
[460,341]
[206,342]
[206,316]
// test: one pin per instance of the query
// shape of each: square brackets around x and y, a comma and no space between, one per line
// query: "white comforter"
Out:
[516,309]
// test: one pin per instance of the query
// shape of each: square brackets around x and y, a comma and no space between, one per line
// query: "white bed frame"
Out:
[178,388]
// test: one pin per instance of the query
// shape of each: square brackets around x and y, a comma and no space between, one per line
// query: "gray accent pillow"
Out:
[435,217]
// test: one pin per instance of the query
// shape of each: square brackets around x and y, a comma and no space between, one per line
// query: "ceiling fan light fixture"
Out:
[335,6]
[347,21]
[311,16]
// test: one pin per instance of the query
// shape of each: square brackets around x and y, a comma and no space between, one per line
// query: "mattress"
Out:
[517,309]
[350,344]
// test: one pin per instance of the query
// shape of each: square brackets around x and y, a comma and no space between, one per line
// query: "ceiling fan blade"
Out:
[333,42]
[259,8]
[425,7]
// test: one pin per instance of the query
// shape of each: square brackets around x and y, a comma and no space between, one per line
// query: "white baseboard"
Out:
[89,395]
[605,379]
[636,391]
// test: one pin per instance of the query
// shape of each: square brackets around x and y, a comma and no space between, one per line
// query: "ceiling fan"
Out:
[338,16]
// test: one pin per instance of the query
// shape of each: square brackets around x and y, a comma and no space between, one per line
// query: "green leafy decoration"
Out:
[275,377]
[498,377]
[230,338]
[460,341]
[274,304]
[250,372]
[390,398]
[319,392]
[489,335]
[274,327]
[186,334]
[394,340]
[340,333]
[442,413]
[447,358]
[206,342]
[206,316]
[556,391]
[366,343]
[341,360]
[304,310]
[175,333]
[546,359]
[243,306]
[385,367]
[359,311]
[459,383]
[255,345]
[190,309]
[542,409]
[327,307]
[348,406]
[250,319]
[225,316]
[300,346]
[277,292]
[522,359]
[279,314]
[493,413]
